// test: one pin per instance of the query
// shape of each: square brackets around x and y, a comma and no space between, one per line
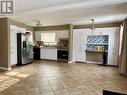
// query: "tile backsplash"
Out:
[102,39]
[93,41]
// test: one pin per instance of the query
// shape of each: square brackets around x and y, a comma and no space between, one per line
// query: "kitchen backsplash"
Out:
[93,41]
[97,39]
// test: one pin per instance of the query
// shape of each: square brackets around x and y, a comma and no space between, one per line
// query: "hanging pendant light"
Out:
[38,23]
[92,26]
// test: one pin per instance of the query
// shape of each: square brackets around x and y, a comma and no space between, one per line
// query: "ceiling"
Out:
[56,12]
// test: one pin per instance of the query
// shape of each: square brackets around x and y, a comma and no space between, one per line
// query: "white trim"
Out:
[93,62]
[7,69]
[70,62]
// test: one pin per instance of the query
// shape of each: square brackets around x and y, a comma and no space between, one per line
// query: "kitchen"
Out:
[52,45]
[82,49]
[63,47]
[48,45]
[88,46]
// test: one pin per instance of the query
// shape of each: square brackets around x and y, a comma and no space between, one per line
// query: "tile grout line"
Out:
[51,86]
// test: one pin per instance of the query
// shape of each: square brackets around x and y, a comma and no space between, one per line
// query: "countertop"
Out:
[48,47]
[96,51]
[52,47]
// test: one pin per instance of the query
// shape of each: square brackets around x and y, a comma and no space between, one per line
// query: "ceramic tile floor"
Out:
[59,78]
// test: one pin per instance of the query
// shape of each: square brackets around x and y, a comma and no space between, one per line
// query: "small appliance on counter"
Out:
[63,42]
[39,43]
[24,49]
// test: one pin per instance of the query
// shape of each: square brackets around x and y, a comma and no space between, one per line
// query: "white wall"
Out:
[62,34]
[38,36]
[58,33]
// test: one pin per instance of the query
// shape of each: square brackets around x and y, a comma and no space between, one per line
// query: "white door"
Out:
[111,49]
[13,47]
[113,46]
[79,45]
[116,48]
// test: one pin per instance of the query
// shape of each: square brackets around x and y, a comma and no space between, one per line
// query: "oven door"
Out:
[62,54]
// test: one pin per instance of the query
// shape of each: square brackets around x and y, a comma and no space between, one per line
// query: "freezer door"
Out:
[27,48]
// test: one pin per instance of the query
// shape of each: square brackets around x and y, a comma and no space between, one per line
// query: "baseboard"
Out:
[48,59]
[70,62]
[113,65]
[79,62]
[94,62]
[3,68]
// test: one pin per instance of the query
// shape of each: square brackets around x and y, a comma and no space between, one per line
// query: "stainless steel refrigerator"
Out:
[24,49]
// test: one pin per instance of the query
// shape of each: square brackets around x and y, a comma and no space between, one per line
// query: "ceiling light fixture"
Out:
[38,23]
[92,26]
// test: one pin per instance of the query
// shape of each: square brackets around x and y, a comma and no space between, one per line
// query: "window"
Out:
[48,38]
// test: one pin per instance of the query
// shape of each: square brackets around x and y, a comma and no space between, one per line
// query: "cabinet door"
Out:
[79,45]
[116,48]
[113,47]
[49,54]
[53,54]
[43,53]
[13,46]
